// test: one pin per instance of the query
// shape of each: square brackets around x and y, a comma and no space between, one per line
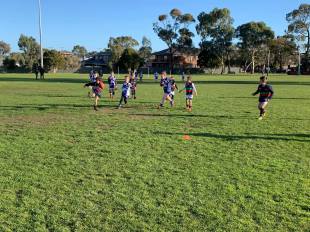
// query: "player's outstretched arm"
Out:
[255,93]
[271,92]
[195,90]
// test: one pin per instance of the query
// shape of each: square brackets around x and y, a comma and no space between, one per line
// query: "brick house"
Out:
[161,60]
[100,59]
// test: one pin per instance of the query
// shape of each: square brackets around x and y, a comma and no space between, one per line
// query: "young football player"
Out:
[190,89]
[125,92]
[166,83]
[141,76]
[133,88]
[112,85]
[156,76]
[97,88]
[265,92]
[92,79]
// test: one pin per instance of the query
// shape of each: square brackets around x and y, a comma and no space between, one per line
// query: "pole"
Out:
[148,72]
[40,28]
[299,61]
[268,68]
[118,71]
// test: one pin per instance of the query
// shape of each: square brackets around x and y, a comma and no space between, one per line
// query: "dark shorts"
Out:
[261,100]
[97,91]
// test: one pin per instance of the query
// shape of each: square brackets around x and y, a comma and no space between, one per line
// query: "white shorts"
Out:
[189,97]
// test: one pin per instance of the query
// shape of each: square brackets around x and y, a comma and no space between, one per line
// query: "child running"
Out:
[92,79]
[190,89]
[265,92]
[97,88]
[125,92]
[112,85]
[166,83]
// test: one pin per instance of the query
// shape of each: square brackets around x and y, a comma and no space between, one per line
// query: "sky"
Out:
[91,23]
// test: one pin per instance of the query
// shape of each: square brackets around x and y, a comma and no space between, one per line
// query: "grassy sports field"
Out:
[65,167]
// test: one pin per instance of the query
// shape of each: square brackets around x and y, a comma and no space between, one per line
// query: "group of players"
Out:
[129,88]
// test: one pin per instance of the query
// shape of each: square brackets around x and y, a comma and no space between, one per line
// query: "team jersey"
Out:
[126,89]
[156,75]
[92,77]
[133,84]
[166,83]
[112,82]
[190,88]
[265,92]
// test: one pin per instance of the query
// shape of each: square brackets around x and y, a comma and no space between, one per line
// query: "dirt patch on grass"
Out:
[38,120]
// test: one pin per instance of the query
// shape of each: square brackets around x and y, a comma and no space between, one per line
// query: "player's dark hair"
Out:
[263,78]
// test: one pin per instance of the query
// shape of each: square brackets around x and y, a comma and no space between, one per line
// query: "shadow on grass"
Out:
[275,98]
[276,137]
[235,82]
[47,80]
[51,95]
[185,115]
[53,106]
[146,82]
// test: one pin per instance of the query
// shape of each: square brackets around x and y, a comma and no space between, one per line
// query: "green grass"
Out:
[64,167]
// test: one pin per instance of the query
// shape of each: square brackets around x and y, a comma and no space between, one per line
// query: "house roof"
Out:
[162,52]
[166,52]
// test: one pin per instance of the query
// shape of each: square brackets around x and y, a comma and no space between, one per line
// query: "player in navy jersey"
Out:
[141,76]
[133,88]
[112,84]
[125,91]
[166,83]
[190,89]
[265,92]
[92,79]
[156,76]
[183,76]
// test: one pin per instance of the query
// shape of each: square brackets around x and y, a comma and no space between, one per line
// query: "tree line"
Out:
[250,46]
[125,54]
